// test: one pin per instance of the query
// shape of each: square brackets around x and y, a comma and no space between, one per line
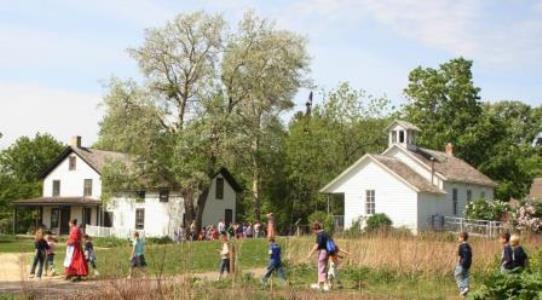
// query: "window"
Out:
[87,213]
[140,196]
[370,202]
[72,163]
[164,196]
[55,214]
[140,218]
[454,199]
[87,189]
[401,136]
[394,136]
[482,195]
[219,191]
[469,196]
[56,188]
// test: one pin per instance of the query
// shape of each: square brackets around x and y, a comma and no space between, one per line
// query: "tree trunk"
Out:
[202,200]
[256,179]
[188,196]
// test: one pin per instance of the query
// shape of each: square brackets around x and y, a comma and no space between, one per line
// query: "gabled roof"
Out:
[397,169]
[95,158]
[450,167]
[231,180]
[404,124]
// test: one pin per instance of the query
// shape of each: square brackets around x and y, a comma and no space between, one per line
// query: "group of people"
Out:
[513,258]
[79,254]
[213,232]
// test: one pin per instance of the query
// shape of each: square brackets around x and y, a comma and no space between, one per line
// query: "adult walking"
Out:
[320,247]
[75,265]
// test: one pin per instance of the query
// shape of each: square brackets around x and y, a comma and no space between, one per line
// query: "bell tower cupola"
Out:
[403,134]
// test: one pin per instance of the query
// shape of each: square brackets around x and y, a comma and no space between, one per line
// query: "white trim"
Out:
[336,179]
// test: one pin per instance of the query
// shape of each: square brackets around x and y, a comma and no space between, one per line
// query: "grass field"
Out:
[380,266]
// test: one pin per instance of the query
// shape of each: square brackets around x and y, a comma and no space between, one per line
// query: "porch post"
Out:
[15,220]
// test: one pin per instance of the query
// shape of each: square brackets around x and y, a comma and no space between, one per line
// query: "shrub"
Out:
[482,209]
[327,220]
[378,222]
[160,241]
[528,217]
[109,242]
[354,231]
[523,285]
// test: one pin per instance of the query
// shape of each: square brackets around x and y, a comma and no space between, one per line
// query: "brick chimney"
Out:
[450,149]
[76,141]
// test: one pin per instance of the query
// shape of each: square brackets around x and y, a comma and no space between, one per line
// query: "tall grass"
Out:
[428,254]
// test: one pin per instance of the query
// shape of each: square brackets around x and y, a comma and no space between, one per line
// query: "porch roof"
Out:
[52,201]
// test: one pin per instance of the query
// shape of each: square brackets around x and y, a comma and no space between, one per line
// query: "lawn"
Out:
[402,267]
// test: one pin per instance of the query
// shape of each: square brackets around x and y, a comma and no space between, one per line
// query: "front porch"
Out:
[55,213]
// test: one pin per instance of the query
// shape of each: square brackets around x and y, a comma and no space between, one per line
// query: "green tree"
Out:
[321,145]
[21,165]
[445,103]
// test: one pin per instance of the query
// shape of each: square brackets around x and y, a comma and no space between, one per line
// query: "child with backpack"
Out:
[90,255]
[275,263]
[323,249]
[50,255]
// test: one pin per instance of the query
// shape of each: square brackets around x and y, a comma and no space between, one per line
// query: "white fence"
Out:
[124,233]
[474,227]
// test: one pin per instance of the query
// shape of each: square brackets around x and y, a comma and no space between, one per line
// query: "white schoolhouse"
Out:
[72,189]
[408,183]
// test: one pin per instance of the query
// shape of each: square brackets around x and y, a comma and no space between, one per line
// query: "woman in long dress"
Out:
[75,265]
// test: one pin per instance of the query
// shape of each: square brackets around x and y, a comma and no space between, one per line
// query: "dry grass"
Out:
[431,254]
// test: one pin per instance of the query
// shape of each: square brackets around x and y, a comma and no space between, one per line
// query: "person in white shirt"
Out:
[221,227]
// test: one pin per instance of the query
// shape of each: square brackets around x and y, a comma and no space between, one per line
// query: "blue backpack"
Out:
[331,248]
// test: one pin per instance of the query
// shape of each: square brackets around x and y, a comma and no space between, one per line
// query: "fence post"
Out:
[461,224]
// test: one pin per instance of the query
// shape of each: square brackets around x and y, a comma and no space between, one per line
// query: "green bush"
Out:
[159,240]
[109,242]
[327,220]
[523,285]
[486,210]
[378,222]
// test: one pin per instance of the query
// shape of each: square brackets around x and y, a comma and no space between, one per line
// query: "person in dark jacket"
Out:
[461,273]
[40,247]
[507,264]
[519,257]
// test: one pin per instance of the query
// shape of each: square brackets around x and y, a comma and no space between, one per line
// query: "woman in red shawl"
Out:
[75,264]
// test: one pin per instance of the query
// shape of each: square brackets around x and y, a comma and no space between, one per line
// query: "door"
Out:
[65,220]
[228,218]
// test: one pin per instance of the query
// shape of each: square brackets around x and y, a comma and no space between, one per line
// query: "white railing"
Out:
[485,228]
[99,231]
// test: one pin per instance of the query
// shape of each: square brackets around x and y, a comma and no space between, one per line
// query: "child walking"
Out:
[507,265]
[224,256]
[50,259]
[461,272]
[90,255]
[275,262]
[520,259]
[40,247]
[137,257]
[334,261]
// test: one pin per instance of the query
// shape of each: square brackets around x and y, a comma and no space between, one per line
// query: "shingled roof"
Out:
[407,174]
[452,168]
[536,189]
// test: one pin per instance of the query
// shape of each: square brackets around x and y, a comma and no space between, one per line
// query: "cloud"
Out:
[26,109]
[476,29]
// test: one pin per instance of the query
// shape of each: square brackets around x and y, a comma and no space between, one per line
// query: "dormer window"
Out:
[401,137]
[72,163]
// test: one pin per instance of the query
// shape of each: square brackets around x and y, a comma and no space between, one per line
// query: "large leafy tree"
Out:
[445,103]
[323,143]
[22,163]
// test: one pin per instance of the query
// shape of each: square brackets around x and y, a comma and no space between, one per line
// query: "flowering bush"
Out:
[529,217]
[482,209]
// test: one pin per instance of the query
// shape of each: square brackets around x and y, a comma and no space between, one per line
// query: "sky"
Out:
[56,56]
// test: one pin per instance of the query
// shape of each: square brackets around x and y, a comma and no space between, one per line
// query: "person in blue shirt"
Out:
[275,263]
[137,258]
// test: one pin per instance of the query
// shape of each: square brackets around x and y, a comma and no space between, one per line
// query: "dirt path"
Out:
[16,267]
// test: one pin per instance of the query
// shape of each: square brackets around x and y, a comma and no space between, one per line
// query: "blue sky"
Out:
[55,55]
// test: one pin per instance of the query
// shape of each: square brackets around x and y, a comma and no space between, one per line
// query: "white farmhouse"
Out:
[72,189]
[408,183]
